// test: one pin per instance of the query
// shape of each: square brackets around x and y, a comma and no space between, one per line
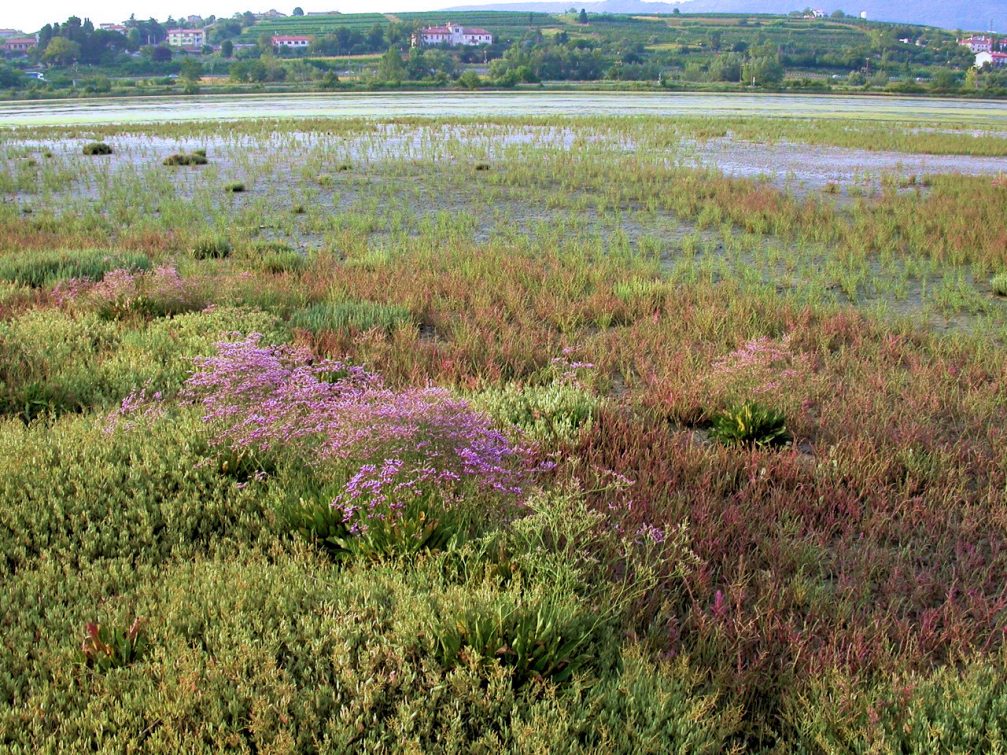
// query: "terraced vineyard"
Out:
[315,25]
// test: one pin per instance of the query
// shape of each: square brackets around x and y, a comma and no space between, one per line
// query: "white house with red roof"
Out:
[978,44]
[291,42]
[453,34]
[187,39]
[19,44]
[995,59]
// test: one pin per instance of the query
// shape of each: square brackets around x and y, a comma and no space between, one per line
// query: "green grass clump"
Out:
[54,362]
[97,148]
[193,158]
[751,424]
[371,259]
[550,414]
[350,316]
[14,293]
[106,647]
[640,290]
[234,187]
[999,284]
[211,248]
[37,269]
[283,262]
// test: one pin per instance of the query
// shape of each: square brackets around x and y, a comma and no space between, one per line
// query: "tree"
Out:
[297,11]
[762,71]
[227,48]
[945,80]
[61,51]
[470,80]
[376,37]
[391,68]
[971,80]
[9,77]
[190,70]
[726,68]
[582,18]
[225,30]
[329,80]
[160,54]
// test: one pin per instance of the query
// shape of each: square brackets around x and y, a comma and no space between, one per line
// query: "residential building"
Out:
[995,59]
[187,39]
[453,34]
[113,27]
[291,42]
[982,43]
[8,33]
[19,45]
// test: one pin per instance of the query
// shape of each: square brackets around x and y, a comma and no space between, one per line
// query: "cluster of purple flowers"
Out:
[760,366]
[261,397]
[137,406]
[119,291]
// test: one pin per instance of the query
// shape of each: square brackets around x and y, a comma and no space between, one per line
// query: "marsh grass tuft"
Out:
[751,424]
[211,247]
[108,647]
[97,148]
[194,158]
[37,269]
[350,316]
[282,262]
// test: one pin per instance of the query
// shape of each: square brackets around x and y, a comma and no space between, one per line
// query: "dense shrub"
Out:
[254,641]
[254,649]
[948,709]
[554,413]
[157,293]
[400,448]
[53,362]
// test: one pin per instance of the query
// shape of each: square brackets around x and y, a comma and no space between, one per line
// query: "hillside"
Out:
[954,14]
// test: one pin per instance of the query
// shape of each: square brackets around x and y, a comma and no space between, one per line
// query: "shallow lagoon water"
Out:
[490,104]
[386,179]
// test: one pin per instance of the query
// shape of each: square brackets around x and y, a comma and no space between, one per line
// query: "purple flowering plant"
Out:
[122,293]
[403,454]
